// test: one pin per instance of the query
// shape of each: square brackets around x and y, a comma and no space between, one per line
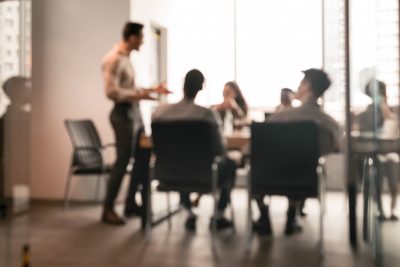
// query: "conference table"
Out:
[234,140]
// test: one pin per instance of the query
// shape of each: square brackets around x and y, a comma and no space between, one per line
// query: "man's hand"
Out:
[142,95]
[145,95]
[161,89]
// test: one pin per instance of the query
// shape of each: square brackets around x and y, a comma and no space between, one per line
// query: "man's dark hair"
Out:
[194,80]
[131,28]
[318,80]
[377,86]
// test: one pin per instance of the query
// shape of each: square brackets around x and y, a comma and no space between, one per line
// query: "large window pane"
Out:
[276,40]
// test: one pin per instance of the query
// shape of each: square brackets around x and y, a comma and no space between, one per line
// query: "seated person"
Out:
[233,103]
[233,112]
[313,85]
[187,110]
[287,96]
[379,119]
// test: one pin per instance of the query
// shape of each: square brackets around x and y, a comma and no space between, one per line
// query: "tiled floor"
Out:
[76,238]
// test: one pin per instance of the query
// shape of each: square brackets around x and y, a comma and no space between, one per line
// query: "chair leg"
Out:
[67,189]
[169,211]
[214,221]
[148,215]
[215,194]
[96,196]
[232,216]
[321,229]
[322,202]
[249,223]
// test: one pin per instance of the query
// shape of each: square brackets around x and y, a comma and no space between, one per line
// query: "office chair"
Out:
[186,161]
[87,155]
[285,160]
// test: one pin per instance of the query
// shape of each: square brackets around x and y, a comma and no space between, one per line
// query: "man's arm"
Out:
[113,91]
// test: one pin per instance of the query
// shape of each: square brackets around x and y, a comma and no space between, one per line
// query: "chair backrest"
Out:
[83,134]
[184,152]
[284,158]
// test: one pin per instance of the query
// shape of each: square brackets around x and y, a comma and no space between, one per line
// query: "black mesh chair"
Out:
[87,155]
[285,160]
[186,160]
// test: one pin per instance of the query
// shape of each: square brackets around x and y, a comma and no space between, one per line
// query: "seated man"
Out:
[313,85]
[187,110]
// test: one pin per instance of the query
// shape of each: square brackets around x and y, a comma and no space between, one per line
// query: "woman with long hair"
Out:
[233,102]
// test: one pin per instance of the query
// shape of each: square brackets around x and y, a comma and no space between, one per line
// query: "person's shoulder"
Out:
[283,114]
[204,110]
[206,114]
[111,57]
[157,115]
[160,110]
[329,119]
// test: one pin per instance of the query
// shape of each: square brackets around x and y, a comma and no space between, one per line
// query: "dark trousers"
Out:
[126,146]
[226,180]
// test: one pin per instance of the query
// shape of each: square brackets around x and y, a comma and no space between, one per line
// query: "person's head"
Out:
[375,88]
[313,85]
[194,80]
[132,35]
[287,96]
[232,90]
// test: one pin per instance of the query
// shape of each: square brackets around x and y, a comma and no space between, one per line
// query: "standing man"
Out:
[125,117]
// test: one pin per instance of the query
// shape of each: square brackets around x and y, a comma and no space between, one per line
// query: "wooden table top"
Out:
[235,140]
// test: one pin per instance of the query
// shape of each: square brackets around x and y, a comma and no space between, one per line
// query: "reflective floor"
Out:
[390,237]
[77,238]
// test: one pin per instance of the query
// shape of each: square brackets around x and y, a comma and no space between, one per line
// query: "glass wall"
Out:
[373,95]
[15,91]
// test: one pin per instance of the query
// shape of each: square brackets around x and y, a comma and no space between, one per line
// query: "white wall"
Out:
[69,40]
[200,35]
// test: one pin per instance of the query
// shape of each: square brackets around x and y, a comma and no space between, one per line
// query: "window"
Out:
[9,23]
[275,42]
[9,66]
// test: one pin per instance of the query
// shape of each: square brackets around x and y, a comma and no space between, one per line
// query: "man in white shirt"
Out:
[125,117]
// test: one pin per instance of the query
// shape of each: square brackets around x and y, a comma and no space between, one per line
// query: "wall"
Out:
[200,35]
[69,40]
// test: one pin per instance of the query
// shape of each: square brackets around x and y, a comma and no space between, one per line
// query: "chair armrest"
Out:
[321,172]
[217,159]
[215,165]
[321,168]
